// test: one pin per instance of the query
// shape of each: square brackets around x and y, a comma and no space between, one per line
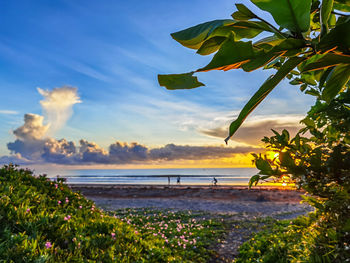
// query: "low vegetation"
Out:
[44,221]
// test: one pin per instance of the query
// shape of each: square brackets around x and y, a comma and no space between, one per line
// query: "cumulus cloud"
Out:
[252,131]
[49,150]
[32,129]
[90,152]
[124,153]
[58,105]
[58,151]
[15,159]
[34,142]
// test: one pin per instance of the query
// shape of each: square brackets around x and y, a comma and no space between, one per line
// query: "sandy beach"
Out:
[262,201]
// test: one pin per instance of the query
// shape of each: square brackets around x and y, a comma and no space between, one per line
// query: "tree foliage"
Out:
[320,164]
[309,44]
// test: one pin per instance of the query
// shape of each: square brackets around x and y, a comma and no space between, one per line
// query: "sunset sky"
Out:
[79,87]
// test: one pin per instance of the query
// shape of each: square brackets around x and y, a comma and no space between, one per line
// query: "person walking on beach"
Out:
[178,179]
[215,181]
[168,180]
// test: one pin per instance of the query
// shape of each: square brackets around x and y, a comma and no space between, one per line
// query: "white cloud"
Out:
[32,129]
[58,105]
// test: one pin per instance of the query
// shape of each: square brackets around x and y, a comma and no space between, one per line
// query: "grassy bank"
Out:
[44,221]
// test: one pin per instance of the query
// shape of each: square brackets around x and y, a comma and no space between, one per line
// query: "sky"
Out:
[78,83]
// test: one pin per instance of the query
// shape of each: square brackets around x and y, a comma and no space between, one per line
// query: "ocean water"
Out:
[194,176]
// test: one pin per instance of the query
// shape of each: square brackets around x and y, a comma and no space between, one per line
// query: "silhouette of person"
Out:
[169,180]
[178,179]
[215,181]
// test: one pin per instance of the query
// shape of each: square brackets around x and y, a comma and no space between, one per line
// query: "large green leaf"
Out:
[338,38]
[262,26]
[211,45]
[269,41]
[263,165]
[324,77]
[241,29]
[262,58]
[231,55]
[245,32]
[263,91]
[326,9]
[342,6]
[236,54]
[179,81]
[193,37]
[291,14]
[243,13]
[322,61]
[338,78]
[219,35]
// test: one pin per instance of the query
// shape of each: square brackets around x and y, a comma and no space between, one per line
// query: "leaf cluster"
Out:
[317,159]
[309,44]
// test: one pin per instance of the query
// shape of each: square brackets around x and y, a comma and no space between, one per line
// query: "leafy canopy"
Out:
[309,44]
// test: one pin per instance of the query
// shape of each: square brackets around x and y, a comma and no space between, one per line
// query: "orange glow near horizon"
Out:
[237,161]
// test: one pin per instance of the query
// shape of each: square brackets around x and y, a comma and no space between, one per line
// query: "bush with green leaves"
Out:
[44,221]
[320,164]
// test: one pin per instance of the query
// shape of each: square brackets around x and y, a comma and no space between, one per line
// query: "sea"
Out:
[192,176]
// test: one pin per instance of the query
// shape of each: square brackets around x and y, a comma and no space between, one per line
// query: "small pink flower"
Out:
[48,245]
[80,207]
[56,186]
[113,235]
[67,200]
[66,218]
[59,202]
[28,209]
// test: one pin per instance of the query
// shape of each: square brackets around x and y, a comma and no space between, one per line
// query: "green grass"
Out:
[44,221]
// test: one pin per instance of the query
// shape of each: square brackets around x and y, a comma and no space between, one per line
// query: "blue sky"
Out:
[112,51]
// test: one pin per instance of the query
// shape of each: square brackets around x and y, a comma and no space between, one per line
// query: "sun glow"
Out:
[272,155]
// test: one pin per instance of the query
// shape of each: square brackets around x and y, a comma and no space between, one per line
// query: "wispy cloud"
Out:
[8,112]
[58,105]
[254,129]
